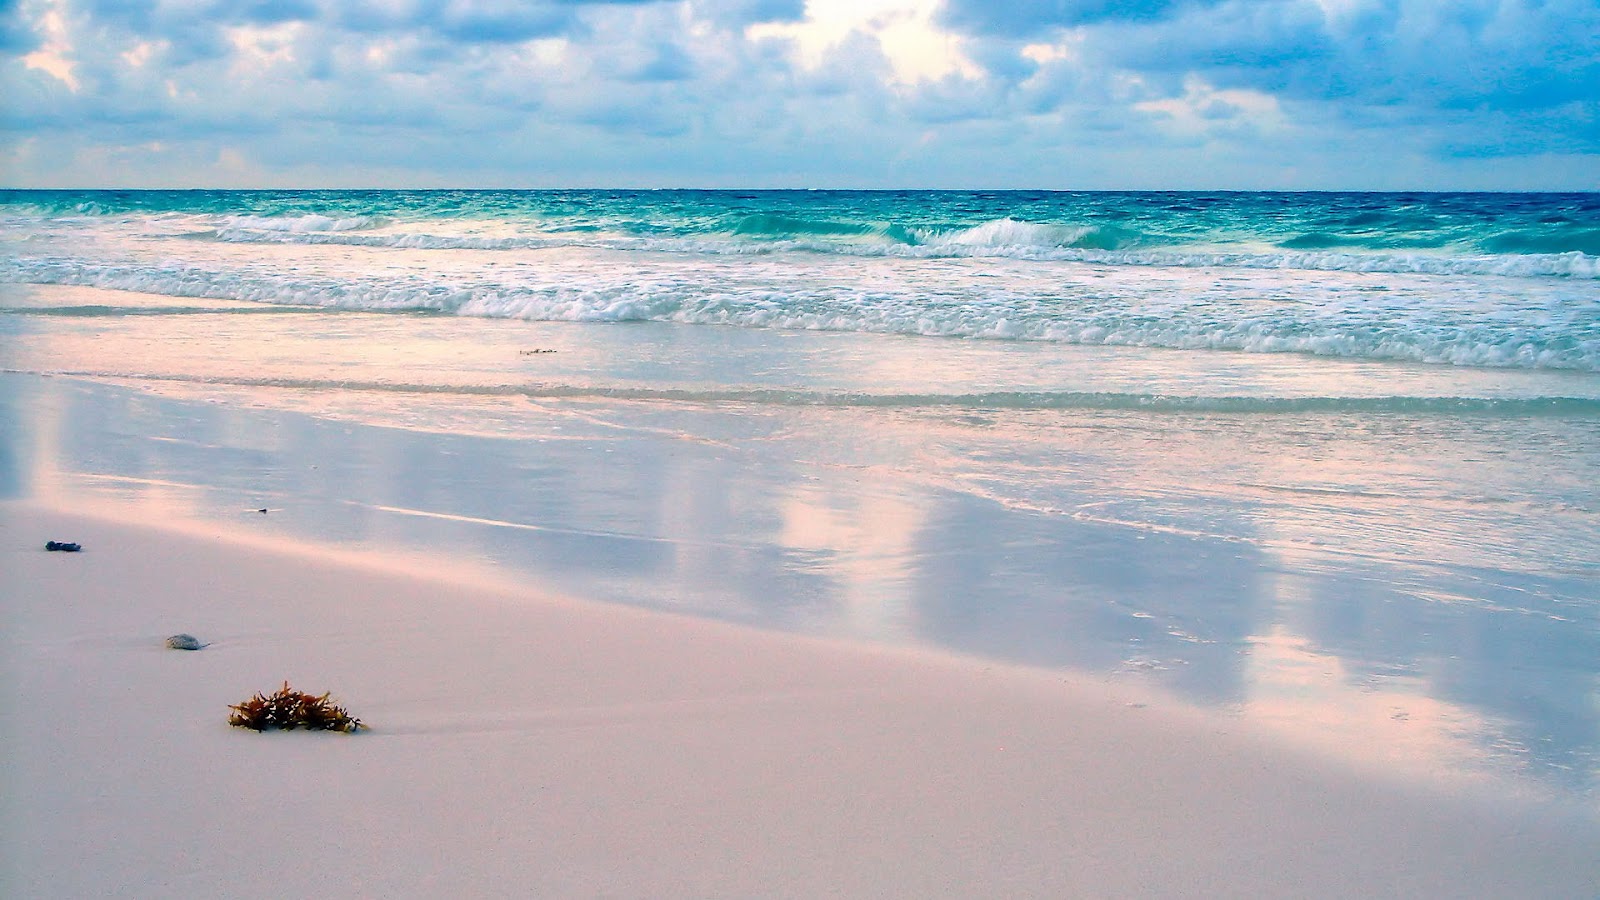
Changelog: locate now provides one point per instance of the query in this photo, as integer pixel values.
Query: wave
(1585, 241)
(1325, 240)
(997, 400)
(1009, 234)
(1528, 236)
(997, 233)
(774, 225)
(1513, 243)
(410, 240)
(1487, 223)
(301, 224)
(1001, 239)
(1550, 338)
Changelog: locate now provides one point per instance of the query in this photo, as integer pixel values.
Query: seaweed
(289, 709)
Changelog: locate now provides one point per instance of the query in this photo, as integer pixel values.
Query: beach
(792, 543)
(534, 744)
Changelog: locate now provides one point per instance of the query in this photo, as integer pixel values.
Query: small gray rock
(184, 642)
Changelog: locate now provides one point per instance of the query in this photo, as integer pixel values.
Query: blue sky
(1250, 94)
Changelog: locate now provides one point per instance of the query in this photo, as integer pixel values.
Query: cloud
(1445, 73)
(667, 62)
(1297, 93)
(496, 23)
(1024, 18)
(738, 14)
(17, 35)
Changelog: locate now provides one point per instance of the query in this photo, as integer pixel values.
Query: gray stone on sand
(184, 642)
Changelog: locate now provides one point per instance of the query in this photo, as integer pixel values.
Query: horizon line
(863, 190)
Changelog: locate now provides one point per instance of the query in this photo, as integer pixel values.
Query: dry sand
(527, 745)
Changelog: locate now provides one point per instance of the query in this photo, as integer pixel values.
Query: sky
(1035, 94)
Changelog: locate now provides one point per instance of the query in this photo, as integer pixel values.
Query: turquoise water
(1330, 462)
(1505, 280)
(1528, 227)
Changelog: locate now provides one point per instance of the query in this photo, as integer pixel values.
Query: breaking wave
(1515, 235)
(305, 224)
(1001, 239)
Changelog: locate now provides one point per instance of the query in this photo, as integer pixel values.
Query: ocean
(1329, 462)
(1421, 278)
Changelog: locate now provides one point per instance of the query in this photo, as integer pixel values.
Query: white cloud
(54, 57)
(140, 54)
(257, 48)
(916, 47)
(1205, 111)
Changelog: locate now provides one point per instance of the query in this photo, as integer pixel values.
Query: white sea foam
(240, 227)
(415, 240)
(1561, 334)
(1001, 233)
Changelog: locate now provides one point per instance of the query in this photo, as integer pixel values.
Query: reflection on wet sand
(918, 530)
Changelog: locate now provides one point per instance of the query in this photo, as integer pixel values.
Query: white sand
(534, 746)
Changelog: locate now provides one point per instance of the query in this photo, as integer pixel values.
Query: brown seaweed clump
(289, 709)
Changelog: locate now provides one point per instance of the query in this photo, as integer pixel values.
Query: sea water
(1330, 462)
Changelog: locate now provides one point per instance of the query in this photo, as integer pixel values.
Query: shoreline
(534, 743)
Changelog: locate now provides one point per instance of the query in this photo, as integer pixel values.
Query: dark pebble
(63, 546)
